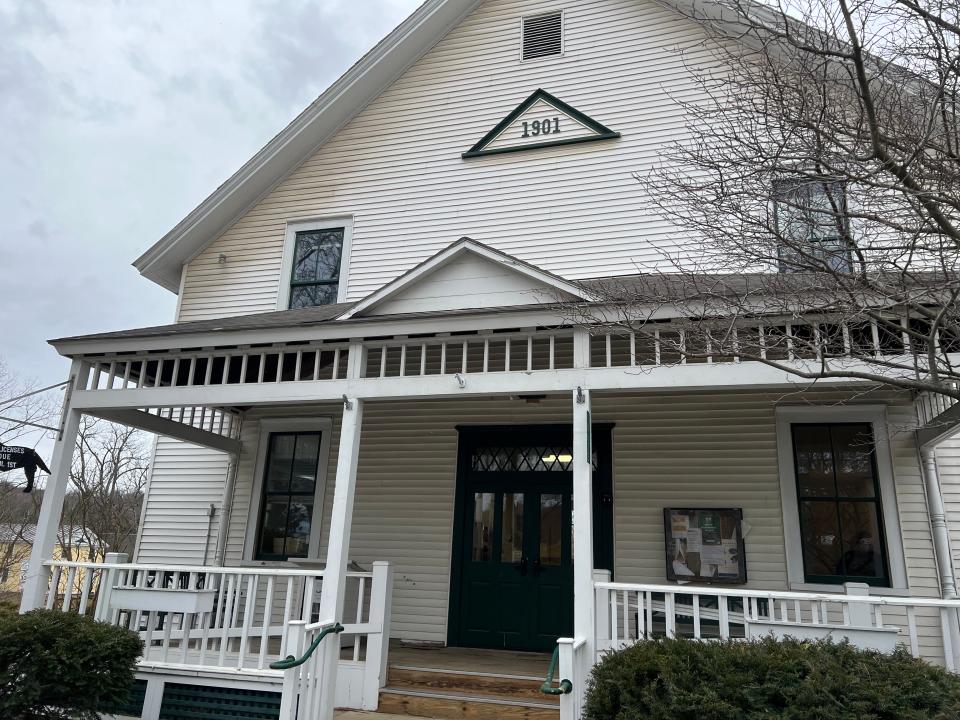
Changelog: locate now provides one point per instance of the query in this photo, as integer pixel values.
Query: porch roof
(621, 288)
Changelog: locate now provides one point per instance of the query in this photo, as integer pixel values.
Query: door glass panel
(551, 525)
(482, 527)
(511, 534)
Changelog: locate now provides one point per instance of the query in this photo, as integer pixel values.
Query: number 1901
(541, 127)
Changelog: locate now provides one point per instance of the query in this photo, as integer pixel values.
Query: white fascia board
(361, 84)
(459, 248)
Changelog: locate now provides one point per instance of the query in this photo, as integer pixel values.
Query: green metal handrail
(292, 662)
(565, 686)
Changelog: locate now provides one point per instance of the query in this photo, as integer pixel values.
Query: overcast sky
(118, 118)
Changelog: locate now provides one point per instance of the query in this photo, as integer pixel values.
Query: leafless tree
(816, 194)
(107, 482)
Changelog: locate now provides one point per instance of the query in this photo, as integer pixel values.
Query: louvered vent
(542, 35)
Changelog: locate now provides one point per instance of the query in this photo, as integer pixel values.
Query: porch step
(457, 695)
(454, 706)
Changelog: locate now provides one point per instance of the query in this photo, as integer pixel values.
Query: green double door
(517, 568)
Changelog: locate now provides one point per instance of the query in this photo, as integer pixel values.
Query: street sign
(14, 458)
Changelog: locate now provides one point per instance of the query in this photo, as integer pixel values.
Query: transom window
(811, 216)
(315, 278)
(841, 525)
(539, 458)
(289, 487)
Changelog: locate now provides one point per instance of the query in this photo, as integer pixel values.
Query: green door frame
(471, 437)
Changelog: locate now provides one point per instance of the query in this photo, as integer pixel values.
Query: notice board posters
(705, 545)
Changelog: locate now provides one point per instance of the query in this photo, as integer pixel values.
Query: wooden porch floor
(504, 663)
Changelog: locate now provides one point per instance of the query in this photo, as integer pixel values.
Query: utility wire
(32, 392)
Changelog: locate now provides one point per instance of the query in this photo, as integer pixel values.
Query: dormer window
(314, 264)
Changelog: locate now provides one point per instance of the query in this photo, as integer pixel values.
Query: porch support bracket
(169, 428)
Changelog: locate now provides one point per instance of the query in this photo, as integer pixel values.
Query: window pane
(853, 451)
(551, 526)
(307, 452)
(281, 456)
(511, 534)
(482, 550)
(814, 460)
(863, 547)
(305, 259)
(317, 255)
(273, 532)
(822, 544)
(311, 295)
(298, 526)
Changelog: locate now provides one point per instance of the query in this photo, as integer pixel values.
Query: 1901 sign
(550, 126)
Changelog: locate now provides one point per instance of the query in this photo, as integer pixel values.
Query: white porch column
(938, 523)
(38, 576)
(338, 548)
(583, 592)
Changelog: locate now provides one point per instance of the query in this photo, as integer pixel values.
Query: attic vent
(543, 35)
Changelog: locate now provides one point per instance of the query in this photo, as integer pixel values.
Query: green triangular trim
(603, 132)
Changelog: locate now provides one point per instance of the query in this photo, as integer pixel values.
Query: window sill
(838, 589)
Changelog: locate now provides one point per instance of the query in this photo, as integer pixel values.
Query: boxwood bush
(55, 665)
(792, 680)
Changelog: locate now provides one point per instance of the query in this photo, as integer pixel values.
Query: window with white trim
(315, 275)
(841, 518)
(287, 495)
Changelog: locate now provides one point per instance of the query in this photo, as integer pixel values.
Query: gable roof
(363, 82)
(464, 247)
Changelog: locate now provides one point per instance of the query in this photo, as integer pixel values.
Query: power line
(3, 403)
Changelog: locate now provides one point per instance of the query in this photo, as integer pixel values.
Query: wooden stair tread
(509, 687)
(462, 706)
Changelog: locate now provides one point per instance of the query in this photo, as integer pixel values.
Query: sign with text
(541, 120)
(15, 458)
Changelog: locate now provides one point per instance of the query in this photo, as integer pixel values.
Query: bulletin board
(705, 545)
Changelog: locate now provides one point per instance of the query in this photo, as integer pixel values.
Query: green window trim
(837, 499)
(274, 497)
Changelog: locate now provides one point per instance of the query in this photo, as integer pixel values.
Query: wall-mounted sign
(540, 121)
(705, 545)
(14, 458)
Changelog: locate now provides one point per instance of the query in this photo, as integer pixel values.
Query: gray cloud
(117, 118)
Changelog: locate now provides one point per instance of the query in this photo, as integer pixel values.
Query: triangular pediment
(467, 275)
(540, 121)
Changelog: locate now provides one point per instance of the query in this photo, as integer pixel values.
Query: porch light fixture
(347, 405)
(581, 399)
(460, 381)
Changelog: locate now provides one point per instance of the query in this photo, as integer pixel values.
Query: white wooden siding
(669, 450)
(466, 283)
(396, 168)
(185, 480)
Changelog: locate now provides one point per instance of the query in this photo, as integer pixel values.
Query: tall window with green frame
(841, 523)
(316, 267)
(289, 487)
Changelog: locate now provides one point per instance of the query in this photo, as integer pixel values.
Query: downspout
(226, 503)
(938, 522)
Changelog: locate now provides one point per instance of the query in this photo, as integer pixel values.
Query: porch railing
(928, 627)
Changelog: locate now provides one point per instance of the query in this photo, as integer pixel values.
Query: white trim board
(323, 425)
(876, 415)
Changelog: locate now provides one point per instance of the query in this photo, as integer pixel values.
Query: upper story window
(811, 217)
(315, 276)
(542, 35)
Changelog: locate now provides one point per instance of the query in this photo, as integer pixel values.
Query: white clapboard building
(375, 412)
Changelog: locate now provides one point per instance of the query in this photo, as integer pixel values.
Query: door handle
(521, 567)
(537, 567)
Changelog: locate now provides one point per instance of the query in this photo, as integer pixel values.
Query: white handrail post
(108, 578)
(602, 609)
(375, 664)
(861, 614)
(566, 669)
(38, 576)
(338, 549)
(291, 677)
(584, 623)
